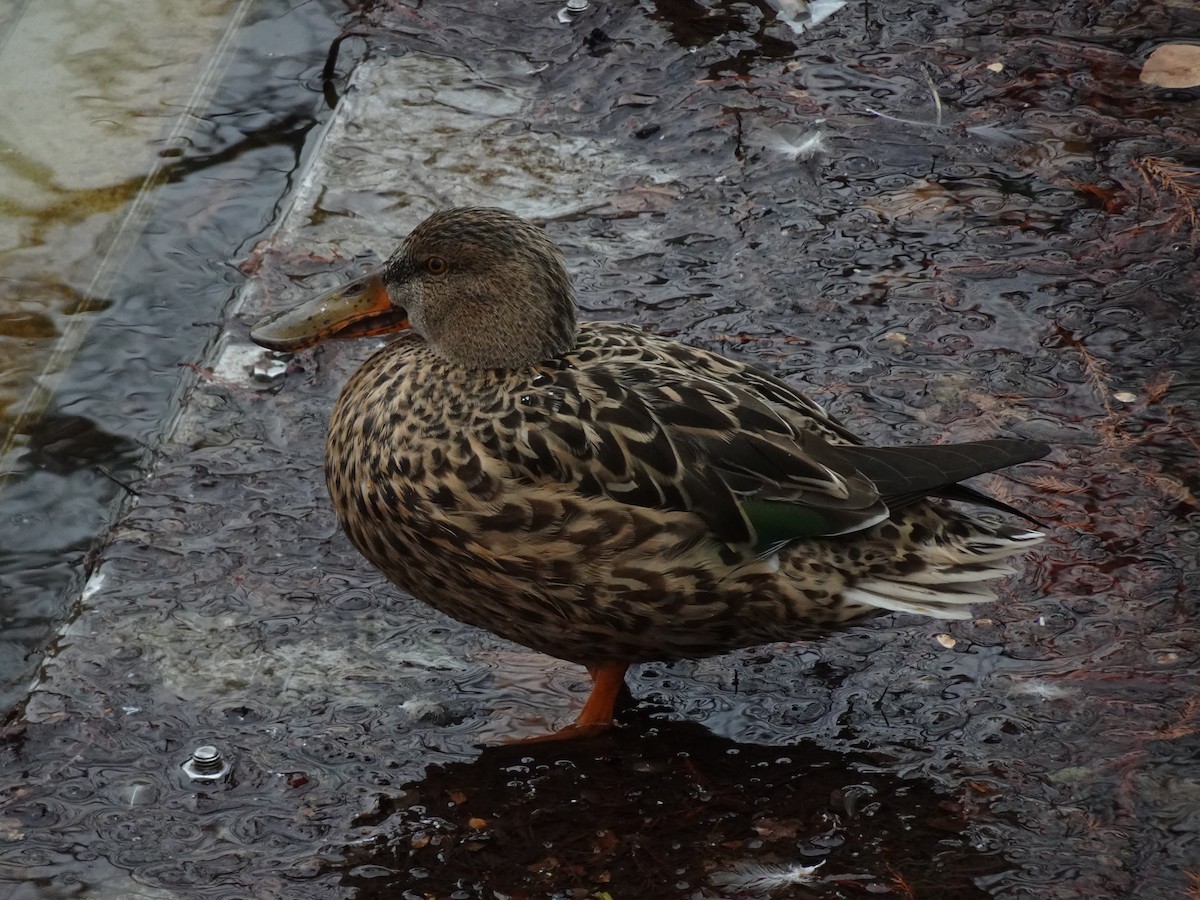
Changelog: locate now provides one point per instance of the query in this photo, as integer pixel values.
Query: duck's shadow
(667, 809)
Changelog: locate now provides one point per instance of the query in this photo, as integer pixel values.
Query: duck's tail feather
(952, 579)
(906, 474)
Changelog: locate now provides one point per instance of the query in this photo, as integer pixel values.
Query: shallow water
(143, 157)
(976, 251)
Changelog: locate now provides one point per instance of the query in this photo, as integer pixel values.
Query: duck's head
(483, 287)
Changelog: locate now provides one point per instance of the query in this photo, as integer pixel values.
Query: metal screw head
(269, 368)
(206, 764)
(572, 9)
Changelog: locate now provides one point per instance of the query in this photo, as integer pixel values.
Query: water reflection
(62, 444)
(667, 809)
(141, 149)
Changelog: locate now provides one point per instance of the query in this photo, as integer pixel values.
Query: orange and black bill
(357, 309)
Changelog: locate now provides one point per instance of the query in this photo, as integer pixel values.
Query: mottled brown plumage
(609, 496)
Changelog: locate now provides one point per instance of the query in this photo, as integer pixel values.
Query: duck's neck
(508, 334)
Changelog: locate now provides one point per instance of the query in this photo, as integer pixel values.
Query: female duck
(608, 496)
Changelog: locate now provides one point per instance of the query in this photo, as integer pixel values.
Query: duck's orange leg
(607, 684)
(596, 717)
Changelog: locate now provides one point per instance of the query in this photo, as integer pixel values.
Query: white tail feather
(958, 574)
(952, 581)
(881, 595)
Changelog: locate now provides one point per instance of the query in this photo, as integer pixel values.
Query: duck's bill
(358, 309)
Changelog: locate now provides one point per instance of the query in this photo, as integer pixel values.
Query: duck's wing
(901, 474)
(662, 426)
(664, 439)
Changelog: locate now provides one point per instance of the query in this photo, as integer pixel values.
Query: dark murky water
(999, 236)
(665, 809)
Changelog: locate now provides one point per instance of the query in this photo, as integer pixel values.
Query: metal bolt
(269, 368)
(206, 764)
(572, 9)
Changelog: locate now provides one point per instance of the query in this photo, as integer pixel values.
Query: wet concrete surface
(996, 234)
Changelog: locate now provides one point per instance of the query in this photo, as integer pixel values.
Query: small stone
(1173, 66)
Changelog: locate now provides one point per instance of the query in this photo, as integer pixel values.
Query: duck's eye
(436, 265)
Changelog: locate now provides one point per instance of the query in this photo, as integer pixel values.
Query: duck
(609, 496)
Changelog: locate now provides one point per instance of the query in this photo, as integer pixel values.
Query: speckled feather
(594, 505)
